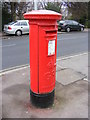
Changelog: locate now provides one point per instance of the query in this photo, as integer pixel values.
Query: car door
(24, 27)
(16, 26)
(70, 24)
(75, 25)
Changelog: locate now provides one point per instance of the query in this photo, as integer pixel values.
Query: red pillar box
(42, 46)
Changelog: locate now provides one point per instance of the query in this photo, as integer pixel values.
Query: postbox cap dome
(42, 14)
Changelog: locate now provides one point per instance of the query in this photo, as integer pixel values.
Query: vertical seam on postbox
(38, 59)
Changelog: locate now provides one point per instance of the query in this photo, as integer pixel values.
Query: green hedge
(87, 24)
(6, 17)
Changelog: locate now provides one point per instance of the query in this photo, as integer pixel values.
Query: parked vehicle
(70, 25)
(17, 27)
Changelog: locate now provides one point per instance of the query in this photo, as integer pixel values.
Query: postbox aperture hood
(42, 14)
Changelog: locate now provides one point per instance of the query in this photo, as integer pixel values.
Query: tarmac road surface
(15, 50)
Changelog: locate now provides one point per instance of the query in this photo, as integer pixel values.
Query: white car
(17, 27)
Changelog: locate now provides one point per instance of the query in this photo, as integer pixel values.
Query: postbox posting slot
(51, 32)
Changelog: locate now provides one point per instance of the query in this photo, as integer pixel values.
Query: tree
(13, 6)
(6, 16)
(78, 10)
(12, 11)
(55, 6)
(15, 9)
(21, 8)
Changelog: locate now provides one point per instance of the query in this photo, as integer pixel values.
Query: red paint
(43, 28)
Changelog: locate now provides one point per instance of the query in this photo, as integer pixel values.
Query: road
(15, 50)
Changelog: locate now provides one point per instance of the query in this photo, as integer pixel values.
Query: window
(75, 23)
(69, 22)
(23, 23)
(61, 22)
(11, 23)
(17, 24)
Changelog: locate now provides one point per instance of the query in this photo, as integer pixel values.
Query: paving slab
(68, 76)
(71, 101)
(78, 63)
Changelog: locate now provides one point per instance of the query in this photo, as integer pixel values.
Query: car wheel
(81, 29)
(18, 32)
(68, 29)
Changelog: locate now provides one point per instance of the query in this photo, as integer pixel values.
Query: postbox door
(47, 59)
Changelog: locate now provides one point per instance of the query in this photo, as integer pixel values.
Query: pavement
(71, 91)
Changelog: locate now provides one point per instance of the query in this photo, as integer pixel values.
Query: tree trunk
(13, 10)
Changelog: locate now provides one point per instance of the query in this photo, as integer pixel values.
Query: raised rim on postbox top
(42, 14)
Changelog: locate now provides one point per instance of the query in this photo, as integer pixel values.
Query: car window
(69, 22)
(75, 23)
(62, 21)
(23, 23)
(11, 23)
(17, 24)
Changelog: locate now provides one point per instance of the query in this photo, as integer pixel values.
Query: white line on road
(12, 69)
(11, 45)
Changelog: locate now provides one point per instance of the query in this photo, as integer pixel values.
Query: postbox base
(42, 100)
